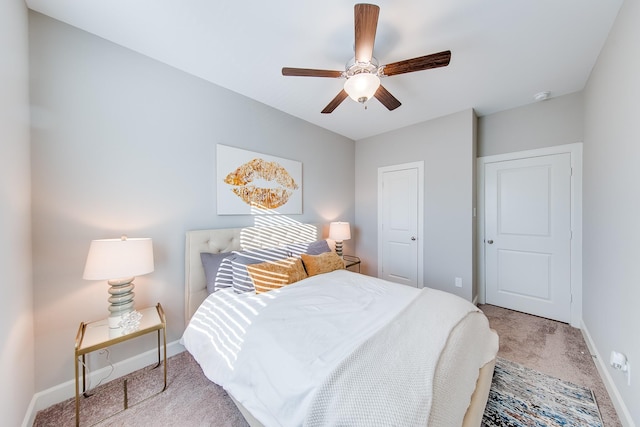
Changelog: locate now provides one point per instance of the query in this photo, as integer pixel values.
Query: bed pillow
(267, 276)
(313, 248)
(218, 276)
(240, 260)
(323, 263)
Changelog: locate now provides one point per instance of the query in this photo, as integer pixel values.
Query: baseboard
(614, 394)
(44, 399)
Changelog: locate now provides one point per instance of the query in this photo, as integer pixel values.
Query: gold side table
(97, 335)
(351, 261)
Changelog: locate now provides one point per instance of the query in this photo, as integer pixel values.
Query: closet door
(528, 235)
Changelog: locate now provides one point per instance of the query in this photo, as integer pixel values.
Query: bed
(337, 348)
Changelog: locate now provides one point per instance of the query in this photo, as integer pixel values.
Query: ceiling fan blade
(309, 72)
(386, 99)
(435, 60)
(335, 102)
(366, 21)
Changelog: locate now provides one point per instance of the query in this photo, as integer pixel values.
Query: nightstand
(351, 261)
(97, 335)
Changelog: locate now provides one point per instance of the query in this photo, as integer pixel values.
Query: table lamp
(339, 231)
(118, 261)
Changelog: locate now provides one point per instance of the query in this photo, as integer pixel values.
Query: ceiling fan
(363, 72)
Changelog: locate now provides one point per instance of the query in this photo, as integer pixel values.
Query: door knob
(490, 242)
(413, 238)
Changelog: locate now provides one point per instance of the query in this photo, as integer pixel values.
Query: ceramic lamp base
(121, 299)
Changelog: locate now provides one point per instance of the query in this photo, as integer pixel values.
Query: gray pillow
(239, 260)
(313, 248)
(217, 272)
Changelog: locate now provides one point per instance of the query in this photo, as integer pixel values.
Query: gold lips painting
(254, 183)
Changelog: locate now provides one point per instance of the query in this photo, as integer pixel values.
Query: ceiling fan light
(361, 87)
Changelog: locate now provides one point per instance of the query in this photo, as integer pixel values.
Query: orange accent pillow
(323, 263)
(271, 275)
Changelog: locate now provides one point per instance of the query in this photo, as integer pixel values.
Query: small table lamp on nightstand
(119, 261)
(339, 231)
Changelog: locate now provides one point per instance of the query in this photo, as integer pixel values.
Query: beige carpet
(191, 399)
(551, 347)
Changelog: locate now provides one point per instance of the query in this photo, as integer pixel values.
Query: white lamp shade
(361, 87)
(118, 258)
(339, 231)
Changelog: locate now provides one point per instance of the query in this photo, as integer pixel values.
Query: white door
(528, 235)
(399, 230)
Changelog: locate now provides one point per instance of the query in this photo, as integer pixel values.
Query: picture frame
(251, 183)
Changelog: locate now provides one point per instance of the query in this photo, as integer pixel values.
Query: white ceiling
(502, 51)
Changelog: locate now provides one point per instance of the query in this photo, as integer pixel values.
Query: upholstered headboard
(234, 239)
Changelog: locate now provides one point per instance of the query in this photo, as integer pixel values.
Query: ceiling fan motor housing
(352, 68)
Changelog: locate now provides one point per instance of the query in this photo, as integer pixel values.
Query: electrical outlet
(619, 361)
(458, 282)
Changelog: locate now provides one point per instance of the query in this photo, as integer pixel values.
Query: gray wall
(556, 121)
(124, 144)
(447, 147)
(16, 304)
(611, 271)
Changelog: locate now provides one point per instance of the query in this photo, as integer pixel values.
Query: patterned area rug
(521, 396)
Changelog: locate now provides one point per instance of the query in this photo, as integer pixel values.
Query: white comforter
(272, 352)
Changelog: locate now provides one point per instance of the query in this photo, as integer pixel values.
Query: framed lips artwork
(254, 183)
